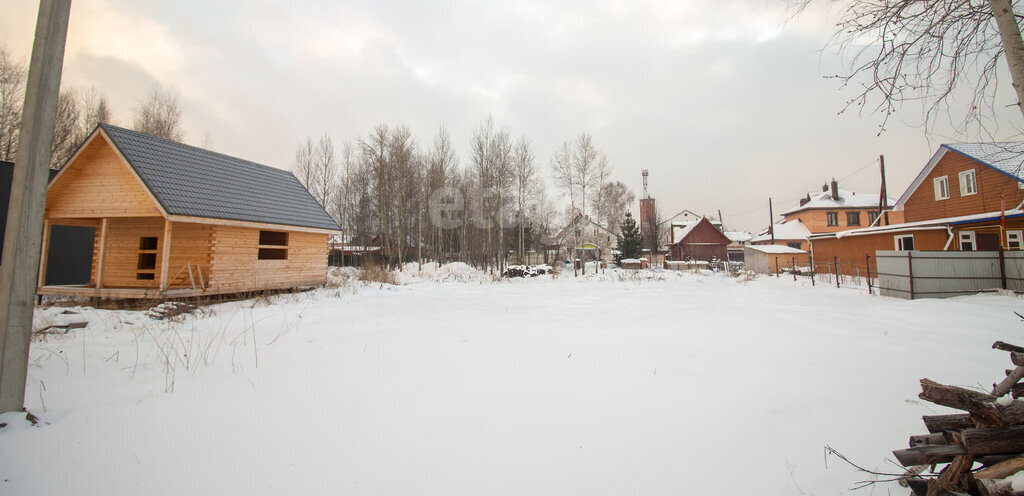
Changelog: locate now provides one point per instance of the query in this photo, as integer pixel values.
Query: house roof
(692, 227)
(560, 236)
(793, 230)
(738, 236)
(847, 199)
(774, 249)
(195, 182)
(924, 224)
(1005, 157)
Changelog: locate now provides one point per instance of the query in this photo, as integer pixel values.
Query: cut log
(1001, 470)
(1007, 384)
(1017, 390)
(939, 423)
(1017, 359)
(929, 455)
(1000, 345)
(1001, 441)
(950, 478)
(994, 487)
(983, 408)
(929, 439)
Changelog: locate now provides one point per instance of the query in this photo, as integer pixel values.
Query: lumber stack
(982, 448)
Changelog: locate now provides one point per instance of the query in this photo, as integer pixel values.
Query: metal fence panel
(942, 274)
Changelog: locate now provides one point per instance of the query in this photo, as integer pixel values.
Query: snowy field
(452, 384)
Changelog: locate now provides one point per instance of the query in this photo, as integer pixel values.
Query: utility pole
(883, 199)
(19, 270)
(771, 221)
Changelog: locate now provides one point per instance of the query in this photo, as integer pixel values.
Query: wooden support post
(102, 254)
(794, 269)
(41, 281)
(835, 261)
(165, 258)
(1002, 267)
(867, 263)
(776, 267)
(19, 270)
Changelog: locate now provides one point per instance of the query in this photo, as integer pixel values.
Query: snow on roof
(775, 249)
(1006, 157)
(793, 229)
(847, 199)
(738, 236)
(936, 223)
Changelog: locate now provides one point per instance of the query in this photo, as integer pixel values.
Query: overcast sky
(723, 101)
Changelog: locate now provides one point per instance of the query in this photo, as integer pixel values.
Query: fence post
(812, 272)
(794, 269)
(867, 263)
(835, 261)
(910, 272)
(1002, 267)
(776, 267)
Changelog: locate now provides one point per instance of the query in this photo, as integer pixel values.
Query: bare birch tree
(936, 52)
(160, 115)
(324, 170)
(527, 187)
(303, 167)
(564, 172)
(66, 132)
(13, 74)
(614, 202)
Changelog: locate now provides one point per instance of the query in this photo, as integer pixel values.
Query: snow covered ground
(651, 382)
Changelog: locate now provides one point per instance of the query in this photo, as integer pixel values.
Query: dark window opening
(273, 254)
(147, 243)
(275, 238)
(833, 218)
(853, 218)
(147, 261)
(145, 276)
(793, 244)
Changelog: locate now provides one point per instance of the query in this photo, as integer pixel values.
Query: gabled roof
(790, 230)
(693, 227)
(847, 199)
(560, 236)
(1004, 157)
(194, 182)
(775, 249)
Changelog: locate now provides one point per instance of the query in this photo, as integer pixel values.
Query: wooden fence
(943, 274)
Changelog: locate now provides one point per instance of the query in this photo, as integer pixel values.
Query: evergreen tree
(629, 239)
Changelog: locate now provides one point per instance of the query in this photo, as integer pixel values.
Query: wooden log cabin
(173, 220)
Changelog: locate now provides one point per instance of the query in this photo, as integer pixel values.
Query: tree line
(418, 201)
(79, 111)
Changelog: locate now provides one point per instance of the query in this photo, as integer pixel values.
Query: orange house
(834, 209)
(173, 220)
(967, 197)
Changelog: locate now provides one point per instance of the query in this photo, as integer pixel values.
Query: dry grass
(377, 273)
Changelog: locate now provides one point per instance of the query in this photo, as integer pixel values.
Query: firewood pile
(982, 449)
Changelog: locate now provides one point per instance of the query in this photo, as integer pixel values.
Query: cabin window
(941, 188)
(833, 218)
(793, 244)
(1015, 240)
(853, 218)
(146, 264)
(967, 241)
(968, 183)
(273, 245)
(872, 217)
(905, 242)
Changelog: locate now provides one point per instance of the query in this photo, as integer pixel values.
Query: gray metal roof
(1006, 157)
(187, 180)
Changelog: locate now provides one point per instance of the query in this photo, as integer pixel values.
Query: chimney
(805, 200)
(835, 190)
(824, 187)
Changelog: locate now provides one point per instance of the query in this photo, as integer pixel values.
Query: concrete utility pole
(19, 270)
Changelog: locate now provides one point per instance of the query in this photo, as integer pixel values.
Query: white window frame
(1015, 236)
(941, 188)
(968, 183)
(898, 240)
(968, 237)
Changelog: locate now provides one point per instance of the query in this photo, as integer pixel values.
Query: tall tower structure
(648, 214)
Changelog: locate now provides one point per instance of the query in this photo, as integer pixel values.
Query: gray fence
(943, 274)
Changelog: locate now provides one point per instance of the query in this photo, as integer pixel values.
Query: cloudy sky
(724, 101)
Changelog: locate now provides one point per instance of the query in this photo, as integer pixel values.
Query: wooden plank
(950, 478)
(165, 258)
(939, 423)
(45, 251)
(929, 455)
(251, 225)
(981, 405)
(999, 441)
(1002, 469)
(102, 254)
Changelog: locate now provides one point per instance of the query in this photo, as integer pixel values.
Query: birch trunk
(1013, 46)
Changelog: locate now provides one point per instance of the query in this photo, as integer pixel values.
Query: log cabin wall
(991, 184)
(190, 245)
(235, 266)
(121, 266)
(98, 184)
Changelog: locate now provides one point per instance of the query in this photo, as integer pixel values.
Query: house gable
(97, 182)
(703, 232)
(995, 189)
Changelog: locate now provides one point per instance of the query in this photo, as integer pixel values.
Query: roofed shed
(701, 241)
(176, 220)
